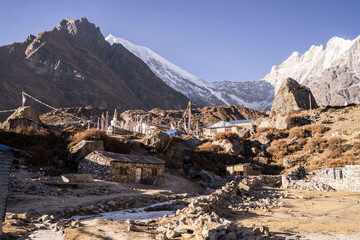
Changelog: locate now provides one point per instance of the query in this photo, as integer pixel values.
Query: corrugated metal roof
(6, 157)
(242, 121)
(6, 148)
(130, 158)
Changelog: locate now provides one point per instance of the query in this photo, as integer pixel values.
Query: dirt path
(313, 214)
(45, 204)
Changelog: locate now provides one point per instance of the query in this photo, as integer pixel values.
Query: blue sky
(215, 40)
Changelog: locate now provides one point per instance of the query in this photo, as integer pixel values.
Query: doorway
(138, 174)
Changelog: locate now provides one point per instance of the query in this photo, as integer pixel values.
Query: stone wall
(345, 179)
(101, 168)
(341, 179)
(117, 175)
(95, 165)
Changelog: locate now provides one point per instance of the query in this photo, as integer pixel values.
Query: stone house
(232, 126)
(242, 170)
(122, 167)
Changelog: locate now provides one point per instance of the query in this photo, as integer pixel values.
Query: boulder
(243, 133)
(24, 117)
(158, 140)
(232, 147)
(292, 96)
(85, 147)
(266, 122)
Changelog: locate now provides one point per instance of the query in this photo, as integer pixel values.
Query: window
(154, 172)
(228, 129)
(123, 170)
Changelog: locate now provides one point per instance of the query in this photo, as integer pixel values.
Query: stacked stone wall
(341, 179)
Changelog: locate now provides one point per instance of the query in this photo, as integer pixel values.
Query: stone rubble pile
(297, 179)
(200, 221)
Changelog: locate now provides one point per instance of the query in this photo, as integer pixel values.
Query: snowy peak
(198, 90)
(331, 72)
(311, 63)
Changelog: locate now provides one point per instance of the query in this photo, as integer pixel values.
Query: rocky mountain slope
(204, 116)
(73, 65)
(332, 73)
(252, 94)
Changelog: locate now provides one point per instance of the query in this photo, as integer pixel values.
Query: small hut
(122, 167)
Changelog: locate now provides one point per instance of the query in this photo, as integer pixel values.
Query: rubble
(297, 179)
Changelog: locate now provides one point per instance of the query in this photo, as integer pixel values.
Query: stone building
(121, 167)
(232, 126)
(243, 169)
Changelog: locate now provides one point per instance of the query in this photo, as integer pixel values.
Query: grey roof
(118, 157)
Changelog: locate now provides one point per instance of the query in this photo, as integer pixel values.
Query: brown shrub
(336, 145)
(41, 145)
(299, 132)
(278, 148)
(316, 144)
(273, 133)
(110, 144)
(227, 135)
(316, 128)
(341, 162)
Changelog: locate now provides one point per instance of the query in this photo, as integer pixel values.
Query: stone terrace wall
(341, 179)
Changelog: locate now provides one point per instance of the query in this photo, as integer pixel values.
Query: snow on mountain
(332, 73)
(244, 94)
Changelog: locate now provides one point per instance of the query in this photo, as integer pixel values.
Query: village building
(232, 126)
(243, 170)
(122, 167)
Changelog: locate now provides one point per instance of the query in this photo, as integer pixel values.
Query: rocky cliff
(293, 96)
(73, 65)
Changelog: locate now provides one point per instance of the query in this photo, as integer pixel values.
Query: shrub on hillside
(299, 132)
(41, 144)
(316, 128)
(274, 133)
(226, 135)
(278, 148)
(110, 144)
(316, 144)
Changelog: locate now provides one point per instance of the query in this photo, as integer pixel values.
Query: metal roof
(118, 157)
(242, 121)
(6, 148)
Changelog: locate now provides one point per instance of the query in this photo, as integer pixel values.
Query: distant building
(243, 170)
(121, 167)
(232, 126)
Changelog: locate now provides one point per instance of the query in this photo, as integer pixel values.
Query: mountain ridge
(73, 65)
(315, 69)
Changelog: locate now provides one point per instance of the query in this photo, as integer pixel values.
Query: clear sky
(215, 40)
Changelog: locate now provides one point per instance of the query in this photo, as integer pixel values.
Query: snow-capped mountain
(205, 93)
(331, 72)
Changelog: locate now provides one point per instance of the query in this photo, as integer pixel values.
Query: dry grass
(41, 145)
(274, 133)
(226, 135)
(315, 145)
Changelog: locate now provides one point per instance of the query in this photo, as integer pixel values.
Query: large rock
(23, 116)
(232, 147)
(158, 140)
(292, 96)
(85, 147)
